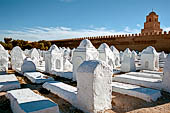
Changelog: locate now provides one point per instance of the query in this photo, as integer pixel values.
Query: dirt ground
(120, 103)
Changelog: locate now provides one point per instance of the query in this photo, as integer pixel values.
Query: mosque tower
(152, 25)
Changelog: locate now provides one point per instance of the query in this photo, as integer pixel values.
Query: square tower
(152, 25)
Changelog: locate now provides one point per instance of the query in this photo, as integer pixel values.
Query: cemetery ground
(120, 103)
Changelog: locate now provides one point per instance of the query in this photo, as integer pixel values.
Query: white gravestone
(121, 56)
(35, 56)
(53, 47)
(28, 66)
(116, 55)
(162, 56)
(134, 55)
(105, 54)
(67, 66)
(17, 57)
(71, 55)
(149, 59)
(26, 52)
(128, 63)
(66, 60)
(53, 60)
(94, 80)
(84, 52)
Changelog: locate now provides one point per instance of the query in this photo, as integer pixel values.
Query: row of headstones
(85, 51)
(95, 78)
(94, 89)
(41, 53)
(37, 56)
(58, 59)
(149, 58)
(64, 58)
(86, 104)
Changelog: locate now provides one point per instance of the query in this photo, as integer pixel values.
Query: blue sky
(59, 19)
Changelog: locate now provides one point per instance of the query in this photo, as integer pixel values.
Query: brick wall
(161, 41)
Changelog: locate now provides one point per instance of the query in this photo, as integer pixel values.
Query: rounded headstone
(28, 66)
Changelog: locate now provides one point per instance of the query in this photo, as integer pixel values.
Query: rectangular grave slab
(146, 75)
(8, 82)
(41, 69)
(141, 81)
(146, 94)
(152, 72)
(116, 71)
(68, 75)
(37, 77)
(65, 91)
(161, 65)
(26, 101)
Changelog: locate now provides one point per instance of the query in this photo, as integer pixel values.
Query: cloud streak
(57, 33)
(166, 29)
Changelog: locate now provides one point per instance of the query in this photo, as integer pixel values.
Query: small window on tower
(149, 19)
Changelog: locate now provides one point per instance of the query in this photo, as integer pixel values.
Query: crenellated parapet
(121, 36)
(160, 40)
(139, 35)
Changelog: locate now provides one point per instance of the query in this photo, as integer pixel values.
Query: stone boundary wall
(161, 41)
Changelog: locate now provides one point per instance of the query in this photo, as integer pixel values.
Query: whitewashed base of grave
(8, 82)
(41, 69)
(145, 75)
(146, 94)
(18, 70)
(116, 71)
(68, 75)
(37, 77)
(152, 72)
(67, 92)
(141, 81)
(26, 101)
(161, 64)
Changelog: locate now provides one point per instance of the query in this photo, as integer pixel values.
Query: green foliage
(9, 43)
(7, 40)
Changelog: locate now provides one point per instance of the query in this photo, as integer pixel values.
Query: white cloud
(57, 33)
(138, 25)
(166, 29)
(128, 30)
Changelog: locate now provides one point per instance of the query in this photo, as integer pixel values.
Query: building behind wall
(152, 25)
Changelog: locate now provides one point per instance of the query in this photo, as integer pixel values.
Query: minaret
(152, 25)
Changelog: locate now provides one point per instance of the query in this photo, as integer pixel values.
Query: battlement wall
(161, 41)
